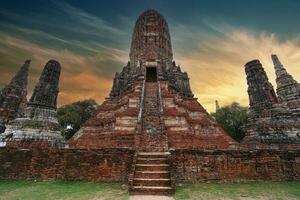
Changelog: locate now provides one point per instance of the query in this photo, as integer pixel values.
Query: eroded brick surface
(189, 165)
(153, 137)
(69, 164)
(272, 123)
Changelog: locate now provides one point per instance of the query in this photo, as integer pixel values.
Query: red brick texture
(196, 165)
(28, 144)
(113, 125)
(68, 164)
(183, 123)
(189, 126)
(116, 164)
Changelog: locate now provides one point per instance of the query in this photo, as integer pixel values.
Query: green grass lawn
(246, 190)
(63, 190)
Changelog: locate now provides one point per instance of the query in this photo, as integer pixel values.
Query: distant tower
(46, 91)
(217, 106)
(13, 96)
(261, 92)
(288, 90)
(268, 121)
(39, 126)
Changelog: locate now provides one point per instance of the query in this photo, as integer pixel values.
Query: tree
(72, 116)
(232, 118)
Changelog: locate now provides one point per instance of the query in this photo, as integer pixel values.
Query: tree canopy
(232, 118)
(72, 116)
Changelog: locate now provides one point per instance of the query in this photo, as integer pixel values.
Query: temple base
(41, 130)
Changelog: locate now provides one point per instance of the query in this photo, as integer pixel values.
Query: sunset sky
(212, 40)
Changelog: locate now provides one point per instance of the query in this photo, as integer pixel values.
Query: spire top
(21, 77)
(217, 105)
(275, 59)
(279, 69)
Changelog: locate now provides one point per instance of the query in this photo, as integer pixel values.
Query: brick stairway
(152, 175)
(153, 137)
(151, 168)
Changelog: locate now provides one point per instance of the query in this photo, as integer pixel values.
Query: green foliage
(232, 118)
(74, 115)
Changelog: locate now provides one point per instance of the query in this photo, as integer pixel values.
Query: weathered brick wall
(69, 164)
(193, 165)
(28, 144)
(116, 164)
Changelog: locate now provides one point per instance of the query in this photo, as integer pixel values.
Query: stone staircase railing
(131, 175)
(142, 101)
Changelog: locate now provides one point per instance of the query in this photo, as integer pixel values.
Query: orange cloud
(82, 86)
(82, 77)
(216, 67)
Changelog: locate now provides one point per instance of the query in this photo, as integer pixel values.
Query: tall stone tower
(151, 50)
(39, 126)
(151, 108)
(261, 92)
(288, 89)
(269, 122)
(150, 40)
(13, 97)
(46, 91)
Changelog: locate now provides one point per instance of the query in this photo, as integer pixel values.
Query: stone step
(151, 161)
(152, 167)
(160, 182)
(152, 174)
(152, 190)
(154, 159)
(154, 154)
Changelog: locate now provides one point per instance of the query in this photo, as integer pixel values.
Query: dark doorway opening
(151, 74)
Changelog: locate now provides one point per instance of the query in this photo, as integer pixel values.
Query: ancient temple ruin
(151, 108)
(271, 122)
(151, 132)
(13, 96)
(38, 126)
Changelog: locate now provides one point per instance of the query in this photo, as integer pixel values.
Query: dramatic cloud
(216, 65)
(91, 49)
(71, 36)
(82, 76)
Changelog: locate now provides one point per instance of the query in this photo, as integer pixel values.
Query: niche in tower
(151, 74)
